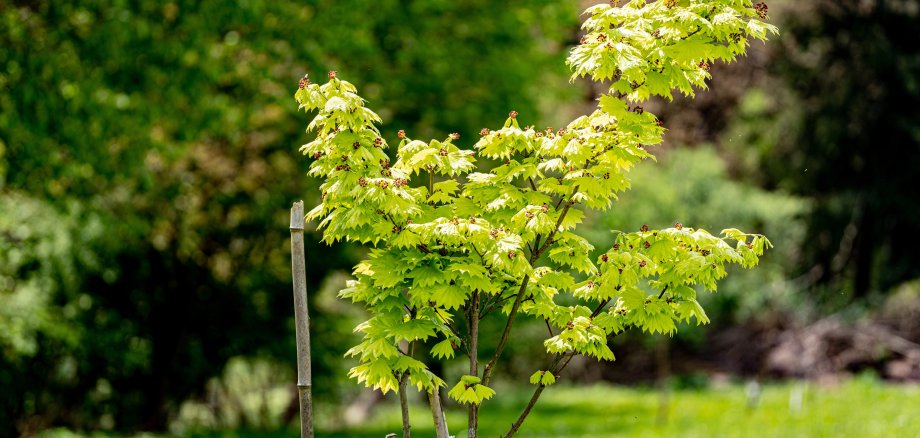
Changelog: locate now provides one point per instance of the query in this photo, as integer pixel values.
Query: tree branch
(560, 364)
(663, 291)
(550, 329)
(487, 372)
(599, 308)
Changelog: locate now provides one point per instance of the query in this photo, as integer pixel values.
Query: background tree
(154, 137)
(838, 126)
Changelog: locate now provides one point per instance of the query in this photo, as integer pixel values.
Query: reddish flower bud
(304, 81)
(679, 226)
(513, 114)
(484, 132)
(401, 133)
(644, 228)
(454, 136)
(332, 74)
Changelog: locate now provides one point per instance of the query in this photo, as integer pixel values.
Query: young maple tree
(461, 245)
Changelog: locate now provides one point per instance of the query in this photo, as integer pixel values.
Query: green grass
(858, 408)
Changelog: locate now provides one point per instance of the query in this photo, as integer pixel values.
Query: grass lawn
(858, 408)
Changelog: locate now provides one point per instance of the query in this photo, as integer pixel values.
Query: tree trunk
(437, 414)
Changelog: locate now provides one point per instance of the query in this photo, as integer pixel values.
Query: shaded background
(148, 158)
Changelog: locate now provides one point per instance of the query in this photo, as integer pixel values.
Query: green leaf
(469, 391)
(443, 349)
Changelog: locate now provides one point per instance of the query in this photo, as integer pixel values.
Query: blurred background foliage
(148, 160)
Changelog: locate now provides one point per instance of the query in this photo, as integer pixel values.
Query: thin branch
(663, 291)
(487, 372)
(494, 305)
(549, 238)
(560, 364)
(550, 329)
(599, 308)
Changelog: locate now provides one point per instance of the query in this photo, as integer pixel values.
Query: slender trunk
(403, 396)
(404, 404)
(473, 417)
(302, 322)
(437, 414)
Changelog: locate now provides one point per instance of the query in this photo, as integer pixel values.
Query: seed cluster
(761, 9)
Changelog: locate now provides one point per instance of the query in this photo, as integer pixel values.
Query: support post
(302, 322)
